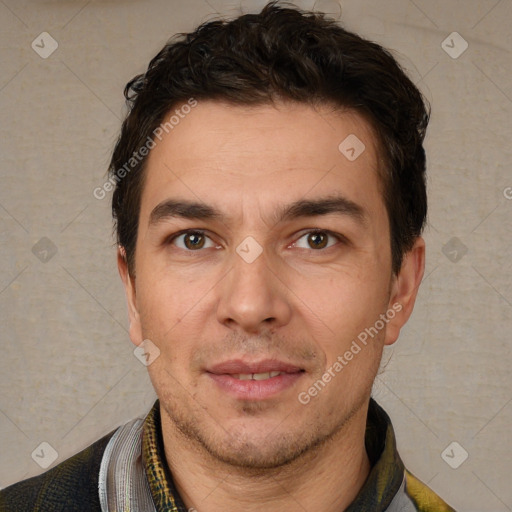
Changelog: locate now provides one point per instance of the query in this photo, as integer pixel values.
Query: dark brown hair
(287, 54)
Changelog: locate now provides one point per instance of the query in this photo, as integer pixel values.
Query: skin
(295, 303)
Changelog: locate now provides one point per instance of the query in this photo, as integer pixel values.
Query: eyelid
(171, 238)
(337, 236)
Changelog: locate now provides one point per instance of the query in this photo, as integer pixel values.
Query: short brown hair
(282, 53)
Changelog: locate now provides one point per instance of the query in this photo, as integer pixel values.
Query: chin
(262, 455)
(254, 445)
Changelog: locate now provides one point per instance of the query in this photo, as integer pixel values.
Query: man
(269, 203)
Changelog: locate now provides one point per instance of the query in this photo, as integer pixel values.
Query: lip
(223, 375)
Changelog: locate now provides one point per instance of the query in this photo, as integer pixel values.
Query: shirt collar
(160, 481)
(379, 489)
(387, 472)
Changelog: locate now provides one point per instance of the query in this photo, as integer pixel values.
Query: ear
(404, 289)
(129, 288)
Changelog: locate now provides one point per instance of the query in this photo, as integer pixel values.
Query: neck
(326, 478)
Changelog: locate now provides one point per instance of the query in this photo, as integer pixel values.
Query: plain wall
(67, 370)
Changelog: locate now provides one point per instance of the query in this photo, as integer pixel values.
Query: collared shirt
(388, 487)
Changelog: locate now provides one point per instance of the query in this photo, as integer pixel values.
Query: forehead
(227, 156)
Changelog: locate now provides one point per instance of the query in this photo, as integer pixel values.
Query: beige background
(67, 370)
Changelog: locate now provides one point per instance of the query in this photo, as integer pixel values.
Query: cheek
(339, 309)
(166, 299)
(345, 296)
(175, 310)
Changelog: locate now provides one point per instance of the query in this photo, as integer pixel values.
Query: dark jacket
(72, 486)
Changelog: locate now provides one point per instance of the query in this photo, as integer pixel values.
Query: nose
(252, 297)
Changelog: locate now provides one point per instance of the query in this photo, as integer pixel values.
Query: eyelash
(201, 232)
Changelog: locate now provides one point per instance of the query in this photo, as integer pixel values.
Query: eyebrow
(170, 208)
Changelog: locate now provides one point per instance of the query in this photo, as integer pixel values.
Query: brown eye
(194, 240)
(317, 240)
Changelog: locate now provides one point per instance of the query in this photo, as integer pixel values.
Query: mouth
(256, 376)
(254, 380)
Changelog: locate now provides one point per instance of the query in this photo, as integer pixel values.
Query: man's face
(251, 306)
